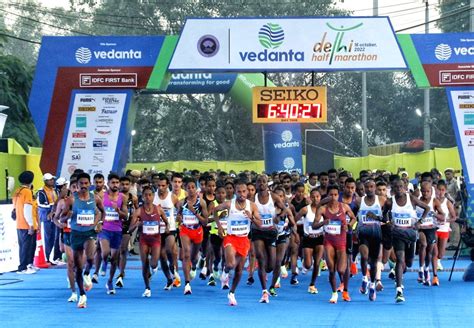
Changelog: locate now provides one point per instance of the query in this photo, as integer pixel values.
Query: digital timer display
(289, 105)
(289, 111)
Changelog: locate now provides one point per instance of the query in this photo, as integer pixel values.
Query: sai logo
(289, 163)
(83, 55)
(271, 36)
(286, 136)
(443, 51)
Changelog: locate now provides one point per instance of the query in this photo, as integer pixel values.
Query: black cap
(26, 177)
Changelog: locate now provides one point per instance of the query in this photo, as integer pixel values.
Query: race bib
(223, 223)
(239, 227)
(402, 220)
(428, 221)
(189, 219)
(333, 228)
(111, 214)
(311, 231)
(162, 227)
(365, 219)
(267, 220)
(348, 218)
(282, 225)
(151, 227)
(85, 218)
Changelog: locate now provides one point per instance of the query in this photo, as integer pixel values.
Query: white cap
(61, 181)
(48, 176)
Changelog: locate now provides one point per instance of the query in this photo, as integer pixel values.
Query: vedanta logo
(443, 51)
(271, 36)
(84, 55)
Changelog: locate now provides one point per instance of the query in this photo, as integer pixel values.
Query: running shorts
(241, 245)
(150, 240)
(216, 240)
(408, 247)
(78, 238)
(430, 235)
(195, 235)
(114, 238)
(442, 234)
(67, 238)
(312, 242)
(386, 236)
(283, 239)
(268, 237)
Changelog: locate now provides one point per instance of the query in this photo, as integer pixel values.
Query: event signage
(109, 80)
(9, 249)
(287, 44)
(93, 132)
(440, 60)
(289, 105)
(282, 148)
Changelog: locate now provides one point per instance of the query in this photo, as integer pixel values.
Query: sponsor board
(109, 80)
(79, 135)
(281, 44)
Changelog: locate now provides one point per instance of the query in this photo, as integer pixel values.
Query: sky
(402, 13)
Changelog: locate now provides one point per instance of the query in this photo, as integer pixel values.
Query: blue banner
(282, 147)
(444, 48)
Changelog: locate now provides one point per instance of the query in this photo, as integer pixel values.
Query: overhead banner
(440, 60)
(289, 105)
(282, 148)
(92, 140)
(287, 44)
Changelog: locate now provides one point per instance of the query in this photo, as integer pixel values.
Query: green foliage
(460, 15)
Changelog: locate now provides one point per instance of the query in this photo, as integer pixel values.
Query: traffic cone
(40, 258)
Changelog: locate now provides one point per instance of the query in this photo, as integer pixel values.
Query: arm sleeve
(28, 213)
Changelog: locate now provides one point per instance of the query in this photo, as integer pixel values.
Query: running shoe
(169, 285)
(323, 266)
(27, 271)
(265, 298)
(345, 296)
(340, 288)
(212, 281)
(304, 270)
(273, 291)
(82, 304)
(250, 281)
(333, 298)
(203, 274)
(119, 282)
(440, 266)
(378, 286)
(363, 287)
(110, 288)
(225, 280)
(399, 298)
(72, 298)
(215, 274)
(87, 282)
(95, 278)
(391, 274)
(146, 293)
(312, 289)
(294, 280)
(277, 284)
(372, 293)
(32, 267)
(177, 280)
(420, 278)
(192, 273)
(187, 289)
(103, 269)
(283, 272)
(354, 270)
(435, 281)
(231, 298)
(153, 270)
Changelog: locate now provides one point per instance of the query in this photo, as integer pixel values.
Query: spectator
(26, 222)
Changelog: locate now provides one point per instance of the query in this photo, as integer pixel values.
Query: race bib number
(333, 228)
(111, 214)
(162, 227)
(267, 220)
(311, 231)
(282, 225)
(151, 227)
(428, 221)
(189, 219)
(239, 227)
(86, 218)
(402, 220)
(365, 219)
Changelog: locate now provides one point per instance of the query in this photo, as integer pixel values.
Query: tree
(454, 16)
(15, 85)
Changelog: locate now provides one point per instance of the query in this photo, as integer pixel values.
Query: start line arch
(83, 91)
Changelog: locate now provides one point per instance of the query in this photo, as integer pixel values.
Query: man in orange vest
(26, 222)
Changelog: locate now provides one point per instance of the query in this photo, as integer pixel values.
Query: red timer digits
(289, 111)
